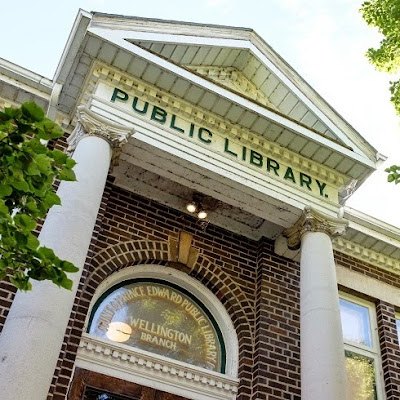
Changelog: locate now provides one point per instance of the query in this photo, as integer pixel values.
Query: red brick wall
(390, 350)
(259, 290)
(135, 230)
(367, 269)
(277, 334)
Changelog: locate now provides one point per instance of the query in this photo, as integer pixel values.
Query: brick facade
(390, 349)
(277, 328)
(135, 230)
(259, 289)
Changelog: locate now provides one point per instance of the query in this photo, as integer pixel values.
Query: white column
(34, 331)
(323, 373)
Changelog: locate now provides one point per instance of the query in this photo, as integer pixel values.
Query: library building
(217, 257)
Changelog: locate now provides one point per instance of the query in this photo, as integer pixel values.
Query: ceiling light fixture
(202, 214)
(191, 207)
(197, 206)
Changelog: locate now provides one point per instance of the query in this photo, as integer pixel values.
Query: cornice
(344, 246)
(367, 255)
(143, 366)
(101, 71)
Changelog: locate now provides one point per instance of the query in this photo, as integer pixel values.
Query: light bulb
(191, 207)
(202, 214)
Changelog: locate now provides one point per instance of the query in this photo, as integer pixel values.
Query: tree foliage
(28, 169)
(385, 15)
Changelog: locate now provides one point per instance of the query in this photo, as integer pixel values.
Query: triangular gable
(241, 71)
(260, 94)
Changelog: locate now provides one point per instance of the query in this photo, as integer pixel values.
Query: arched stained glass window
(160, 317)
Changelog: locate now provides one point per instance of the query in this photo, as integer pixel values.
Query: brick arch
(125, 254)
(130, 253)
(240, 310)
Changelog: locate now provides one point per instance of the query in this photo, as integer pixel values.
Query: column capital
(91, 124)
(312, 220)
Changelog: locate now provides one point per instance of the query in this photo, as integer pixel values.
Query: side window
(398, 326)
(363, 363)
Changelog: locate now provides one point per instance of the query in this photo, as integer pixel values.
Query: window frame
(397, 319)
(373, 352)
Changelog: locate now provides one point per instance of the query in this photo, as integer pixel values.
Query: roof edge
(169, 21)
(26, 76)
(72, 46)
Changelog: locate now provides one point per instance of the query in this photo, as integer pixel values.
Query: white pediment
(268, 81)
(222, 74)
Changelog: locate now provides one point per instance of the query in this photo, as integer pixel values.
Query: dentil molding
(152, 370)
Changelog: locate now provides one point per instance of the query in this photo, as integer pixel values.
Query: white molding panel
(155, 371)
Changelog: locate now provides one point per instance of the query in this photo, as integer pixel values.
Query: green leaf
(47, 129)
(70, 163)
(52, 199)
(20, 185)
(9, 241)
(67, 174)
(47, 253)
(43, 163)
(53, 129)
(27, 172)
(33, 168)
(31, 206)
(12, 113)
(32, 242)
(37, 146)
(60, 158)
(21, 239)
(25, 222)
(32, 111)
(68, 267)
(3, 208)
(21, 283)
(5, 190)
(66, 283)
(3, 135)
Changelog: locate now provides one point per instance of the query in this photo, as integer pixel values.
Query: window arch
(160, 284)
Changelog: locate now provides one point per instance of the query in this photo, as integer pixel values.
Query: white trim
(162, 138)
(75, 39)
(372, 227)
(244, 39)
(366, 285)
(148, 369)
(27, 79)
(121, 41)
(24, 86)
(103, 76)
(203, 294)
(371, 352)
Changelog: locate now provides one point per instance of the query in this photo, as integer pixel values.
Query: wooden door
(89, 385)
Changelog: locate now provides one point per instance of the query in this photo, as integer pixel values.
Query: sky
(323, 40)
